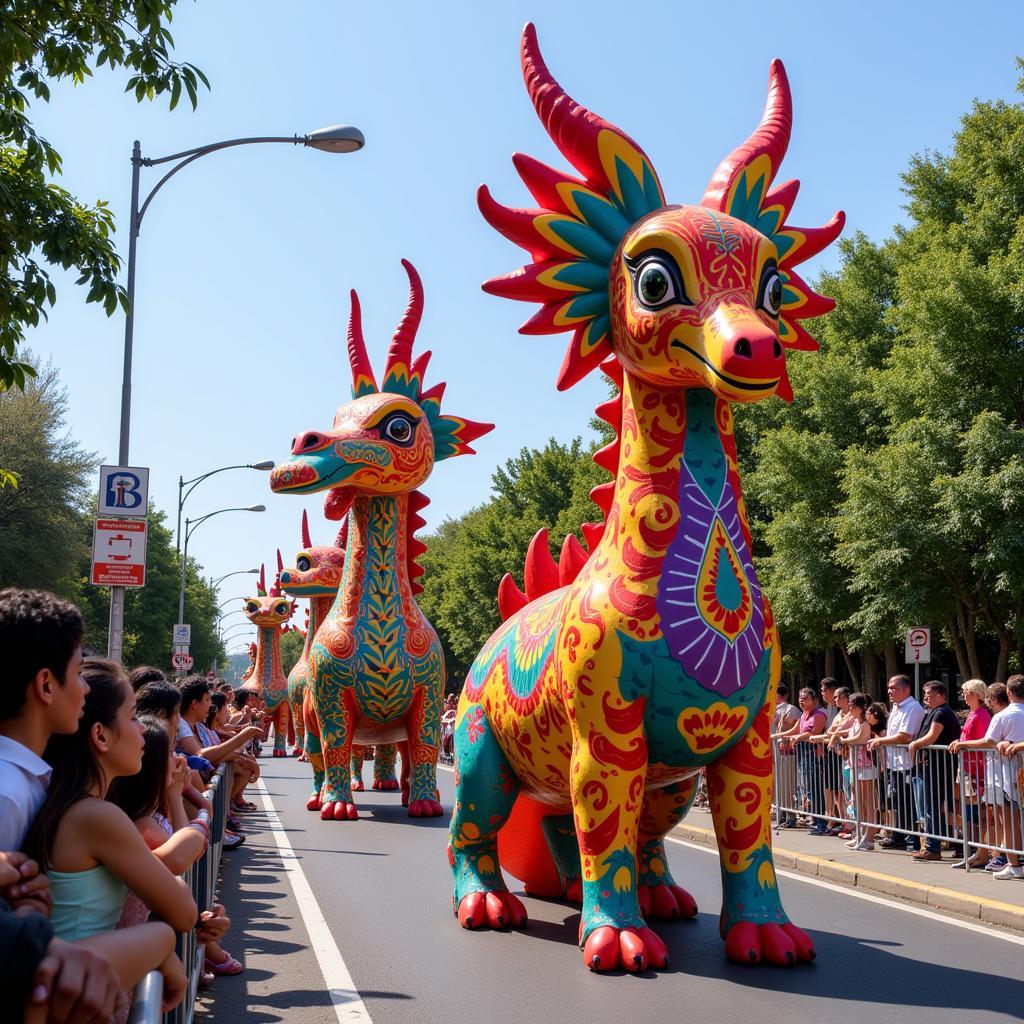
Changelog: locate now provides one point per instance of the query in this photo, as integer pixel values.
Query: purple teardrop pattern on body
(709, 599)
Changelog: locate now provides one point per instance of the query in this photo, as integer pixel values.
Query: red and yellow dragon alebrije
(618, 676)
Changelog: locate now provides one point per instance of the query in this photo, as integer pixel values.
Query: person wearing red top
(980, 823)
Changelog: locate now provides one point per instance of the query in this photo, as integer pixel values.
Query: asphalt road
(383, 886)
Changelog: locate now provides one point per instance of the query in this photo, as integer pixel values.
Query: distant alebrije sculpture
(376, 670)
(269, 611)
(621, 672)
(316, 575)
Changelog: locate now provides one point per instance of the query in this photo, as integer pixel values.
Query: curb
(977, 908)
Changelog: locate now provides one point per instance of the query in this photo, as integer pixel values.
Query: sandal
(229, 965)
(244, 805)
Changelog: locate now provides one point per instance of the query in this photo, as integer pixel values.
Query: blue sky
(246, 258)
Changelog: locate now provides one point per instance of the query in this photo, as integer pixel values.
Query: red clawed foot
(385, 785)
(357, 786)
(781, 945)
(631, 949)
(491, 910)
(296, 752)
(313, 803)
(665, 902)
(338, 811)
(426, 809)
(279, 753)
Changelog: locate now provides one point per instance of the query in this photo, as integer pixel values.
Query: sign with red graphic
(182, 661)
(919, 645)
(119, 553)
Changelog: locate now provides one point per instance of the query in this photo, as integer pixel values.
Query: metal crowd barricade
(202, 881)
(971, 800)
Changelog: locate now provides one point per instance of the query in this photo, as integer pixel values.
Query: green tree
(42, 539)
(292, 643)
(467, 556)
(45, 41)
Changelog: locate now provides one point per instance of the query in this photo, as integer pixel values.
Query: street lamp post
(334, 139)
(266, 465)
(238, 572)
(191, 525)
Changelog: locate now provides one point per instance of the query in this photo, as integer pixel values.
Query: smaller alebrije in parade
(376, 669)
(316, 576)
(625, 670)
(269, 611)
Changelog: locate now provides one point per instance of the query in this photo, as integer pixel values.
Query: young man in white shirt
(1006, 734)
(42, 692)
(904, 724)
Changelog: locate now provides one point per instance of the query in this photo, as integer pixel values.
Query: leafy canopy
(44, 41)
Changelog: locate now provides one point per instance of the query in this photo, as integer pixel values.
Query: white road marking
(859, 894)
(345, 998)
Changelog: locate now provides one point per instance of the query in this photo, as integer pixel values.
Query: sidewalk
(975, 894)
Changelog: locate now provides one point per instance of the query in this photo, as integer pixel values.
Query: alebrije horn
(261, 588)
(280, 562)
(400, 352)
(363, 380)
(307, 541)
(770, 139)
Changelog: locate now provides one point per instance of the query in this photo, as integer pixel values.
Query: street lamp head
(256, 508)
(338, 138)
(251, 572)
(266, 464)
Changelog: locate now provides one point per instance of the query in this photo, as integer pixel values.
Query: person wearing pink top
(971, 779)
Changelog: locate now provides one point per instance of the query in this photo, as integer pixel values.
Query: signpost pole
(917, 681)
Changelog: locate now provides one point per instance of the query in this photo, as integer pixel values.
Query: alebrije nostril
(776, 348)
(743, 348)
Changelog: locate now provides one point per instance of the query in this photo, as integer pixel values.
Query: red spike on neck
(307, 541)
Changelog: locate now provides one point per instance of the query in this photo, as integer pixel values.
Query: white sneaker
(852, 843)
(1010, 872)
(865, 846)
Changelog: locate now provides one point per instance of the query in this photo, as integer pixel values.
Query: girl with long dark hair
(89, 847)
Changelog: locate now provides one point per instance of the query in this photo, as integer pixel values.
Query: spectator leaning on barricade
(42, 696)
(1005, 735)
(865, 782)
(905, 718)
(808, 757)
(934, 770)
(831, 762)
(786, 716)
(979, 824)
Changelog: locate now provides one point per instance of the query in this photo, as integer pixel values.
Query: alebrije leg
(607, 772)
(385, 756)
(485, 790)
(336, 730)
(659, 895)
(423, 733)
(560, 835)
(753, 923)
(314, 751)
(356, 764)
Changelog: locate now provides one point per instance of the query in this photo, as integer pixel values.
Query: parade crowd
(923, 779)
(104, 806)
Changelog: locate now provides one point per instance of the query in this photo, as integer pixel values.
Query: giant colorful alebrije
(617, 676)
(376, 666)
(268, 611)
(251, 667)
(316, 575)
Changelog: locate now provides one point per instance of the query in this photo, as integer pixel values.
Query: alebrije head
(682, 296)
(267, 608)
(387, 438)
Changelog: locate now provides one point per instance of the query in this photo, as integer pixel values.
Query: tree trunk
(892, 661)
(850, 667)
(958, 648)
(965, 617)
(870, 662)
(830, 661)
(1003, 661)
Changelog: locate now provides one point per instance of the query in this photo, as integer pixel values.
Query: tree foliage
(41, 538)
(46, 41)
(292, 643)
(467, 556)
